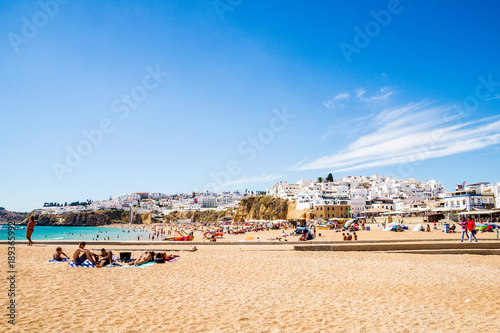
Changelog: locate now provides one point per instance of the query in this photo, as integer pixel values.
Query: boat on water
(16, 227)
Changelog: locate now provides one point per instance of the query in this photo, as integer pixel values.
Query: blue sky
(183, 96)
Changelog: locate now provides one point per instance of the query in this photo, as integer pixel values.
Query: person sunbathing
(428, 228)
(166, 256)
(349, 237)
(345, 237)
(355, 236)
(82, 254)
(105, 258)
(58, 255)
(144, 258)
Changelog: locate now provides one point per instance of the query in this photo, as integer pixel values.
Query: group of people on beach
(106, 257)
(349, 237)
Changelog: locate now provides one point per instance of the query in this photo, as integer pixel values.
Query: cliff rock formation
(269, 208)
(84, 219)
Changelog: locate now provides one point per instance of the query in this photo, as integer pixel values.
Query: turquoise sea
(79, 233)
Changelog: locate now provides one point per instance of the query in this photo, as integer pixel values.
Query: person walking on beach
(471, 225)
(29, 230)
(464, 230)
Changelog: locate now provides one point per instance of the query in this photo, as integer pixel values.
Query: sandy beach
(374, 234)
(238, 288)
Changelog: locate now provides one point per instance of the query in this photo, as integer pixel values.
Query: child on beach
(58, 255)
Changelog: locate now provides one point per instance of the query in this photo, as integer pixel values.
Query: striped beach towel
(53, 260)
(86, 264)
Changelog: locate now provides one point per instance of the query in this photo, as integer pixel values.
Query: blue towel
(141, 266)
(86, 264)
(53, 260)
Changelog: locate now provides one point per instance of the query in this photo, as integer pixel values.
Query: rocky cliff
(269, 208)
(7, 217)
(196, 216)
(87, 219)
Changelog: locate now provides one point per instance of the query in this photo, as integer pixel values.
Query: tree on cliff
(329, 178)
(320, 179)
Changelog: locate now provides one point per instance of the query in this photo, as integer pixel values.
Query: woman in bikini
(30, 229)
(144, 258)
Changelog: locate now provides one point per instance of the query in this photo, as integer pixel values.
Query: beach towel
(53, 260)
(88, 264)
(173, 259)
(141, 266)
(85, 264)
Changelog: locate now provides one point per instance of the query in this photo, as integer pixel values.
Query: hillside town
(154, 202)
(347, 197)
(357, 196)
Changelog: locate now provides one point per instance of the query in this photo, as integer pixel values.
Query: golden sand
(240, 288)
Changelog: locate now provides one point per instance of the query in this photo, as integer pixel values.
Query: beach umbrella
(390, 226)
(480, 226)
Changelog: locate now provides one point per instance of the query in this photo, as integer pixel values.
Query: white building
(496, 191)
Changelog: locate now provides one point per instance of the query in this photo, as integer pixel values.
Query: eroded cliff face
(196, 216)
(269, 208)
(84, 219)
(142, 218)
(11, 217)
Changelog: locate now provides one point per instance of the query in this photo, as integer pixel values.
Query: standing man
(471, 225)
(464, 229)
(30, 229)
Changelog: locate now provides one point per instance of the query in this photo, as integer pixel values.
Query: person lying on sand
(166, 256)
(58, 255)
(81, 254)
(144, 258)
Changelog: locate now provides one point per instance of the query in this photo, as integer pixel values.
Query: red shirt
(471, 225)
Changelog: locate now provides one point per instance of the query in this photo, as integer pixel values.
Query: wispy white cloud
(343, 96)
(360, 92)
(247, 180)
(338, 101)
(417, 131)
(497, 96)
(382, 94)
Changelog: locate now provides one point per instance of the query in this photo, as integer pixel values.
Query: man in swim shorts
(105, 258)
(82, 254)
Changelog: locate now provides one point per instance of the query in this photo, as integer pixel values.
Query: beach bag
(125, 256)
(160, 260)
